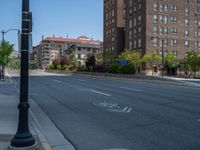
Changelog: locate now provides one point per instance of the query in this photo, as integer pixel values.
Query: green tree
(131, 57)
(5, 51)
(90, 62)
(170, 62)
(14, 62)
(152, 58)
(193, 60)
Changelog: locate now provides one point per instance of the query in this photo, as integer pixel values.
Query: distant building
(149, 22)
(85, 50)
(52, 47)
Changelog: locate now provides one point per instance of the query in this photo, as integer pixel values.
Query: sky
(61, 18)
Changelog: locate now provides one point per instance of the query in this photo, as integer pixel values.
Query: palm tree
(5, 51)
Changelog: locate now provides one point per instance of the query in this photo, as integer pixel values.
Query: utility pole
(23, 138)
(162, 57)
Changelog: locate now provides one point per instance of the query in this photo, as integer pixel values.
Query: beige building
(52, 47)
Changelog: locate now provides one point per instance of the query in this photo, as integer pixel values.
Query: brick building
(148, 22)
(114, 23)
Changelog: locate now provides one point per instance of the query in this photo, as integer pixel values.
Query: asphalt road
(105, 114)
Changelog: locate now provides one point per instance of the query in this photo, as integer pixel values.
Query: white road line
(129, 110)
(56, 81)
(198, 120)
(132, 89)
(81, 80)
(98, 92)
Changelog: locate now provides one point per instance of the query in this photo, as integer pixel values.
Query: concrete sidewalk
(188, 81)
(45, 132)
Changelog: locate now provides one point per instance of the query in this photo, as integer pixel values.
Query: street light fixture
(163, 63)
(23, 138)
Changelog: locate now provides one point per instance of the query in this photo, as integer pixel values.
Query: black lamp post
(23, 137)
(162, 42)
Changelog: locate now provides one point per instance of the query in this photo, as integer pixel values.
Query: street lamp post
(162, 40)
(23, 137)
(163, 62)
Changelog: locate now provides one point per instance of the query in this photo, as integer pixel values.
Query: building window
(186, 32)
(139, 31)
(130, 23)
(186, 22)
(187, 43)
(139, 19)
(130, 45)
(130, 34)
(155, 29)
(155, 18)
(139, 43)
(155, 6)
(134, 44)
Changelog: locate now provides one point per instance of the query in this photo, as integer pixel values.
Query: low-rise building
(84, 50)
(52, 47)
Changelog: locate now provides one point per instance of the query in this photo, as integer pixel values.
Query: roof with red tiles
(70, 40)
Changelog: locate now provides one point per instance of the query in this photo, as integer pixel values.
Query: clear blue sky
(55, 17)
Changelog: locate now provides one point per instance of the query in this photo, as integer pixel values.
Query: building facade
(149, 22)
(114, 23)
(83, 51)
(53, 47)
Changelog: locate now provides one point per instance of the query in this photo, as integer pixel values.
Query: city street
(104, 114)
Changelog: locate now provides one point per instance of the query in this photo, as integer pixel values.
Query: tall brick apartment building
(114, 23)
(148, 22)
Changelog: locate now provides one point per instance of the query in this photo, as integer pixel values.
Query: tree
(152, 59)
(90, 62)
(170, 62)
(5, 51)
(131, 57)
(193, 60)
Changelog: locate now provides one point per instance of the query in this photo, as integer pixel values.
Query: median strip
(98, 92)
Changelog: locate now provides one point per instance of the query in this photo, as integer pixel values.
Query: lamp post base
(33, 147)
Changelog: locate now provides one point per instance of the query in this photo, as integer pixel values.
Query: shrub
(114, 68)
(59, 67)
(64, 67)
(99, 68)
(51, 66)
(127, 69)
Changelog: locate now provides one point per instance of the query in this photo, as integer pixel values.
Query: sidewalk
(188, 82)
(45, 132)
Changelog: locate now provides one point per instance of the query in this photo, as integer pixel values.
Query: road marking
(81, 80)
(98, 92)
(56, 81)
(198, 120)
(115, 149)
(132, 89)
(113, 107)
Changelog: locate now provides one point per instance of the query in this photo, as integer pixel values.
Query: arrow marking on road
(98, 92)
(132, 89)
